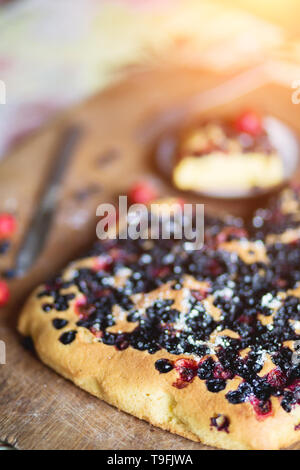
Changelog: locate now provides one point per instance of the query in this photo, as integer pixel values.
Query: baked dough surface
(127, 377)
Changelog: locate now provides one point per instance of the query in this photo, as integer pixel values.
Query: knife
(42, 219)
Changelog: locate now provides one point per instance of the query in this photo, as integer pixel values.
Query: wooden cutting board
(39, 409)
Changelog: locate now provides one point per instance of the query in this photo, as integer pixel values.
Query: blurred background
(56, 52)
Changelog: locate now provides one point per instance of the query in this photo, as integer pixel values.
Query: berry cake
(225, 157)
(201, 343)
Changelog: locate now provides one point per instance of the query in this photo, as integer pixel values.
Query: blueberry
(47, 307)
(68, 337)
(163, 366)
(215, 385)
(206, 368)
(234, 397)
(59, 323)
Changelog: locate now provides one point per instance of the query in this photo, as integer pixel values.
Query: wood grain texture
(39, 409)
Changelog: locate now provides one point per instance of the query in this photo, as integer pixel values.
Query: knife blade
(42, 219)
